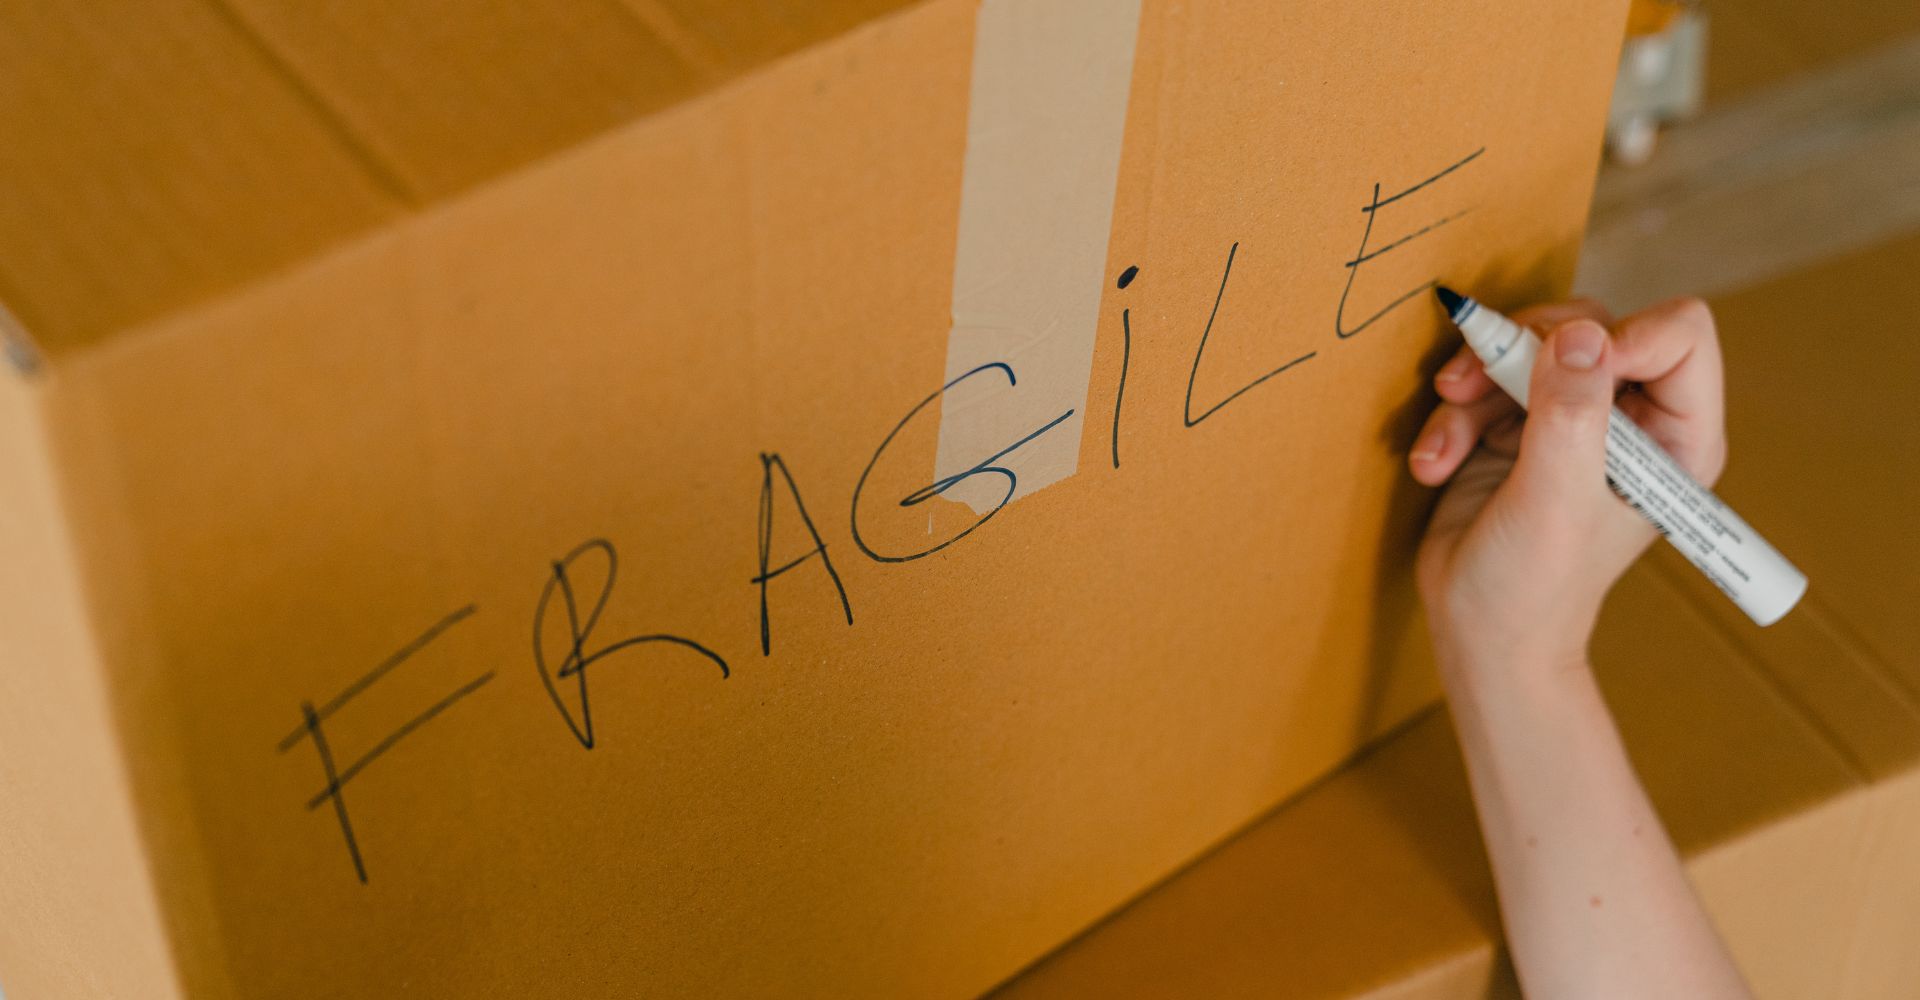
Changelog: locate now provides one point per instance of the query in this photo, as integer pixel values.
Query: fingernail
(1452, 371)
(1578, 344)
(1429, 446)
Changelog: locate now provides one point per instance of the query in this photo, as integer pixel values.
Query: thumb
(1563, 442)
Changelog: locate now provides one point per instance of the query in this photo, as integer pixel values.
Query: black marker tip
(1454, 302)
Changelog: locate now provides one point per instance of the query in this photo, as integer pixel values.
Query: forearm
(1594, 897)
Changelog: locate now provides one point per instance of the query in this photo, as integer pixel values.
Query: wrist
(1522, 701)
(1506, 659)
(1476, 634)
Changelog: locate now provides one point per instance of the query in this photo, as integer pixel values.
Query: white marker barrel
(1712, 537)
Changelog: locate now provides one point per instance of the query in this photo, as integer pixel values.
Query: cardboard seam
(1481, 964)
(1756, 664)
(1224, 841)
(386, 177)
(172, 321)
(1843, 634)
(1883, 826)
(1859, 851)
(185, 903)
(191, 893)
(1742, 850)
(1851, 957)
(56, 467)
(668, 31)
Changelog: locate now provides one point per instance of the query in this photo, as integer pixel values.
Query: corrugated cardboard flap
(160, 154)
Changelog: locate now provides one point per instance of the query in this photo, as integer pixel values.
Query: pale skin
(1524, 544)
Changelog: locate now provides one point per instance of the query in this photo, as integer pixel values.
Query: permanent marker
(1712, 537)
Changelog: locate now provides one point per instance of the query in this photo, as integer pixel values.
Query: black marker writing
(920, 496)
(1199, 352)
(596, 561)
(338, 777)
(768, 463)
(1126, 355)
(1363, 255)
(577, 659)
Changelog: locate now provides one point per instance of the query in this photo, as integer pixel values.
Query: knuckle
(1569, 414)
(1588, 392)
(1694, 308)
(1693, 314)
(1675, 334)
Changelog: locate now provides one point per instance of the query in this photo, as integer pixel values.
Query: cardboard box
(351, 391)
(1785, 761)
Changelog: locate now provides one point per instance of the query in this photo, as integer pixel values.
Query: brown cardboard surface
(1831, 381)
(1786, 762)
(161, 153)
(390, 447)
(441, 95)
(741, 36)
(144, 188)
(76, 897)
(1373, 883)
(1370, 878)
(1376, 879)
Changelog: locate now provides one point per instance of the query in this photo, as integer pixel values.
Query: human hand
(1527, 539)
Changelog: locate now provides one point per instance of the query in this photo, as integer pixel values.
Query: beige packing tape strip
(1044, 133)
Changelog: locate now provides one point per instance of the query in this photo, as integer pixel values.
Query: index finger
(1673, 351)
(1544, 317)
